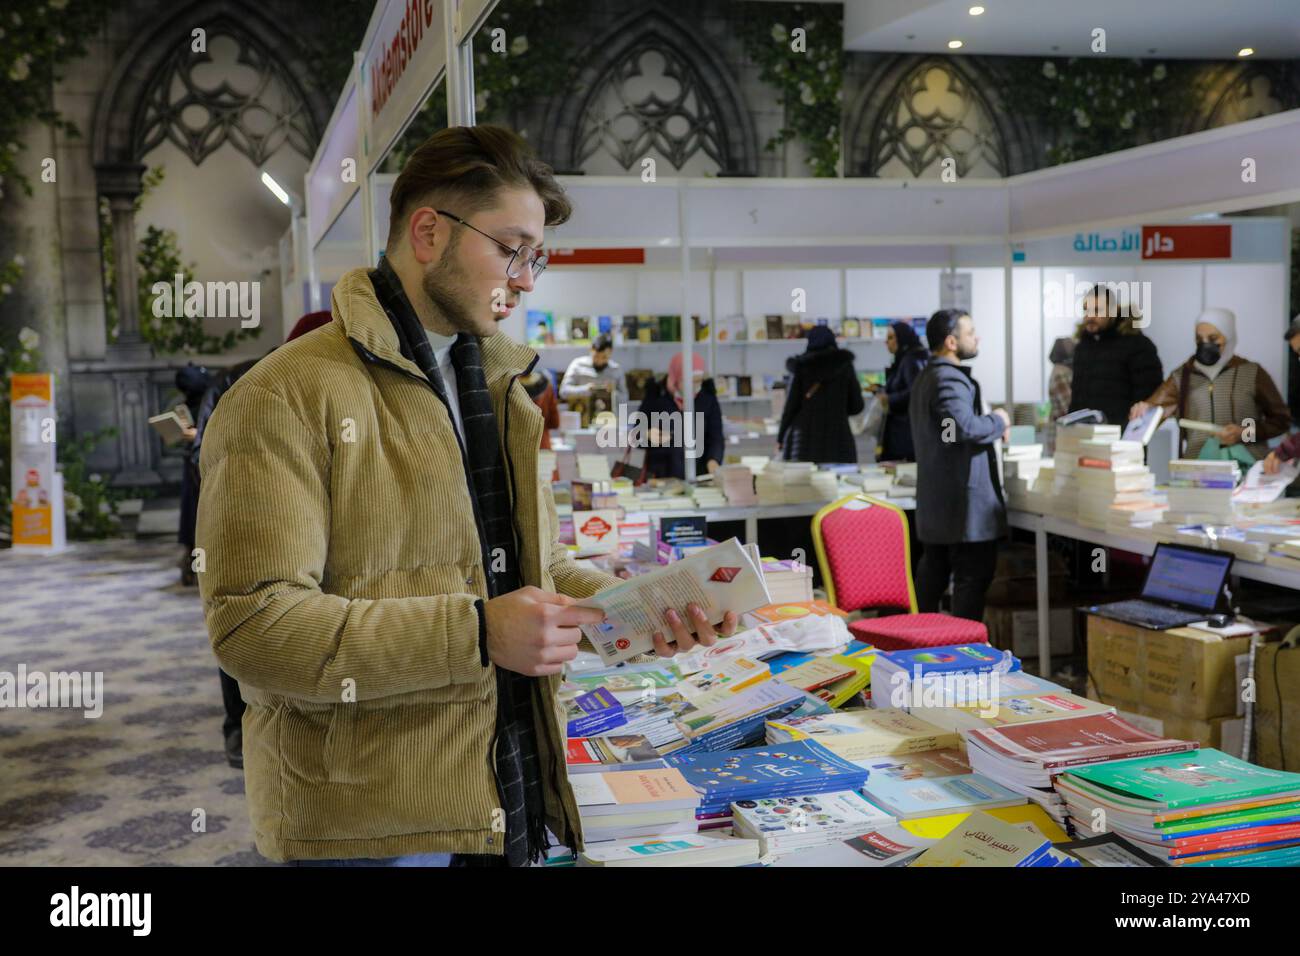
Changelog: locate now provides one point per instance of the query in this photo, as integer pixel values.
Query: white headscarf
(1225, 320)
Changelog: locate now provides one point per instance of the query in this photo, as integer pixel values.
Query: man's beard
(446, 286)
(965, 356)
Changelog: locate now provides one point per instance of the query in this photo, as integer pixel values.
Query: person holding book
(1115, 365)
(383, 576)
(822, 393)
(1220, 387)
(598, 367)
(960, 513)
(1288, 449)
(910, 358)
(666, 455)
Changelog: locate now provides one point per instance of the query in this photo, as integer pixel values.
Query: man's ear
(422, 235)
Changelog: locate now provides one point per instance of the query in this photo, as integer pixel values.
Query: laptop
(1183, 585)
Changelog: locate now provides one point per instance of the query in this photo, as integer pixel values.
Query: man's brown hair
(461, 168)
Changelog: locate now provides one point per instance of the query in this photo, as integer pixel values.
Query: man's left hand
(696, 629)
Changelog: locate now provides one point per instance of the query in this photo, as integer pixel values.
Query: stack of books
(1200, 491)
(1026, 758)
(785, 826)
(737, 483)
(683, 849)
(937, 676)
(723, 719)
(594, 713)
(638, 803)
(1021, 466)
(931, 783)
(872, 479)
(794, 482)
(859, 736)
(1200, 807)
(1115, 487)
(708, 497)
(1065, 487)
(788, 582)
(1285, 555)
(613, 752)
(795, 769)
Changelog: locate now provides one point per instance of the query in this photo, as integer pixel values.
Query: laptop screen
(1190, 578)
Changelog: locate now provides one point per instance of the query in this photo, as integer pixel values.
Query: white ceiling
(1209, 29)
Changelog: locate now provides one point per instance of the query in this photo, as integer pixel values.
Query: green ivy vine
(1096, 105)
(807, 71)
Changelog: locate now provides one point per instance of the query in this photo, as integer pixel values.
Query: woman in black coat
(667, 458)
(910, 357)
(822, 393)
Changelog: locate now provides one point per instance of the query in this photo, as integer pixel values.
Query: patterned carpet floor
(121, 789)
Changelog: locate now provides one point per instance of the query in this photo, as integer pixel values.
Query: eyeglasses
(519, 257)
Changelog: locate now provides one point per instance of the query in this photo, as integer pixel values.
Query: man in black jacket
(1115, 365)
(959, 509)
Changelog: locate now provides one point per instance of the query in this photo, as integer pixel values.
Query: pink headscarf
(675, 374)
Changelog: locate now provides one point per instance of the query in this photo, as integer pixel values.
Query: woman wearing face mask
(1215, 385)
(910, 358)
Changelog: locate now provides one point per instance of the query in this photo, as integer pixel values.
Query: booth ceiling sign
(1187, 242)
(406, 59)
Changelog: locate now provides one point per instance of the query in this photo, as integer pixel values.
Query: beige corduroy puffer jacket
(343, 567)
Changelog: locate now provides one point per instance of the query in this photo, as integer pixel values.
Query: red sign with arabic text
(1187, 242)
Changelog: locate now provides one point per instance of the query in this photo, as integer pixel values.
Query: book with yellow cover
(861, 734)
(940, 826)
(1023, 709)
(982, 840)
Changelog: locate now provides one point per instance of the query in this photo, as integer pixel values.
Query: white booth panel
(659, 292)
(1257, 294)
(1175, 301)
(771, 292)
(589, 291)
(609, 212)
(990, 367)
(1029, 341)
(892, 292)
(726, 293)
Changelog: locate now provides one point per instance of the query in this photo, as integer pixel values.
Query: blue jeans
(415, 859)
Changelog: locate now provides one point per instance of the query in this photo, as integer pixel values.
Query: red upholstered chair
(865, 556)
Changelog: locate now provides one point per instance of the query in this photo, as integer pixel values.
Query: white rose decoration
(1049, 70)
(28, 338)
(519, 46)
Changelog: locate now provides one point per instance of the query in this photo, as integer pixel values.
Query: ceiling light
(275, 187)
(954, 44)
(1246, 51)
(976, 11)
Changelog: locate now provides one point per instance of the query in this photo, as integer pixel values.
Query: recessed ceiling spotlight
(976, 11)
(954, 44)
(1244, 51)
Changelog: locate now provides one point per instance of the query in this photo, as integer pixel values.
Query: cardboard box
(1221, 733)
(1016, 629)
(1277, 704)
(1182, 672)
(1015, 582)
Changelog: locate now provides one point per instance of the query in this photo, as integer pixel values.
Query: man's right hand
(1139, 408)
(534, 632)
(1272, 463)
(1006, 423)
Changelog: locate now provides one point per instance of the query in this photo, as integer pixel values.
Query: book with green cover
(1168, 781)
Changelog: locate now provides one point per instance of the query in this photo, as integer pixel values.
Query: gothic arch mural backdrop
(649, 88)
(914, 111)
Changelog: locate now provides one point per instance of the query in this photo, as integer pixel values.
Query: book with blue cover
(595, 713)
(957, 659)
(785, 770)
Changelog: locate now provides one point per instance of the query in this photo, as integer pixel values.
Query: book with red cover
(1074, 741)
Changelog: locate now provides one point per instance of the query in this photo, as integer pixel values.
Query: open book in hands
(719, 579)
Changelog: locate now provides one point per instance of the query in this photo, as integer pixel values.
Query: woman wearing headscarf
(822, 393)
(910, 357)
(666, 456)
(1218, 386)
(1059, 385)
